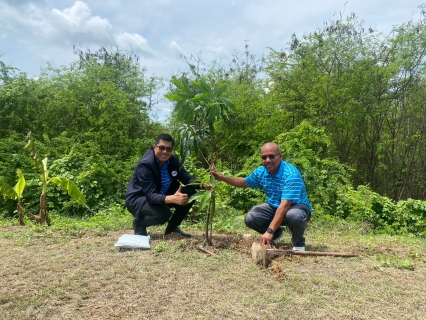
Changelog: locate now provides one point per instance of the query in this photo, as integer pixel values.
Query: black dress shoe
(139, 230)
(178, 230)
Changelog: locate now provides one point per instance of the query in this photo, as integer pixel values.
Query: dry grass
(52, 276)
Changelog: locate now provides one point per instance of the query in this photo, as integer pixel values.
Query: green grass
(72, 270)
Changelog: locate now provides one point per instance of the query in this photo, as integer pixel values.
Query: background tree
(357, 84)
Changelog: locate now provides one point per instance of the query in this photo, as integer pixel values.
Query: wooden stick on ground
(261, 254)
(277, 252)
(205, 251)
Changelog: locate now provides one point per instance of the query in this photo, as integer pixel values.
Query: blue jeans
(296, 220)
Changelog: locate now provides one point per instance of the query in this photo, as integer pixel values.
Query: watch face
(269, 230)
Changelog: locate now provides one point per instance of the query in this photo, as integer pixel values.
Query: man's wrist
(269, 230)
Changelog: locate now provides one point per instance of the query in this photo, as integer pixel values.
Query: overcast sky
(34, 33)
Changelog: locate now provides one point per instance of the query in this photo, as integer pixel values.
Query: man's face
(163, 151)
(271, 158)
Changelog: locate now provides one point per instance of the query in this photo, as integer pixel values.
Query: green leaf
(20, 185)
(206, 87)
(205, 199)
(187, 112)
(213, 207)
(175, 97)
(179, 85)
(213, 181)
(72, 189)
(196, 196)
(202, 97)
(185, 156)
(198, 85)
(187, 88)
(7, 190)
(220, 90)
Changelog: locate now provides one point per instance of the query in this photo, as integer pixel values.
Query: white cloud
(74, 23)
(135, 42)
(177, 49)
(161, 31)
(218, 51)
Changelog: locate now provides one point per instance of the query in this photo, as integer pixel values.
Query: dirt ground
(55, 276)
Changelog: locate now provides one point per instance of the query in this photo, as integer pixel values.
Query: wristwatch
(269, 230)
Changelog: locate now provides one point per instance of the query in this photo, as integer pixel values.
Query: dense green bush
(410, 216)
(365, 205)
(308, 148)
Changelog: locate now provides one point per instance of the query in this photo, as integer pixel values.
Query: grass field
(49, 274)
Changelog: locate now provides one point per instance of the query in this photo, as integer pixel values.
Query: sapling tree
(199, 106)
(15, 193)
(62, 182)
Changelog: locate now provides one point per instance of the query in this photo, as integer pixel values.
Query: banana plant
(15, 193)
(61, 182)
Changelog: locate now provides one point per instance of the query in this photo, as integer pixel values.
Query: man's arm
(277, 221)
(236, 182)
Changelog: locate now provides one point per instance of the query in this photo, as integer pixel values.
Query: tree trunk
(43, 217)
(20, 215)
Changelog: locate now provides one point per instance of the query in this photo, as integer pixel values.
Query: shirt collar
(165, 163)
(279, 172)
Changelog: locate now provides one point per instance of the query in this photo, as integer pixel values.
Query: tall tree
(360, 86)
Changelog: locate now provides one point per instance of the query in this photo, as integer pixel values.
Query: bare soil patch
(54, 276)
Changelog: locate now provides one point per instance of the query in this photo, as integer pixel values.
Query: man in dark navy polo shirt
(154, 189)
(287, 201)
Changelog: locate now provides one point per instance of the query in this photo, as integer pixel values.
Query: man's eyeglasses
(163, 148)
(270, 156)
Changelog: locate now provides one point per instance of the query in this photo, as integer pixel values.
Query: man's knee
(154, 214)
(297, 218)
(249, 219)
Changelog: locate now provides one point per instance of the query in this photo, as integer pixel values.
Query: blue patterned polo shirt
(166, 180)
(287, 184)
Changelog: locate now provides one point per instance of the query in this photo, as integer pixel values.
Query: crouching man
(287, 200)
(154, 189)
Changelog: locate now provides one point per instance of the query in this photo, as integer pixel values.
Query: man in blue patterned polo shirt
(287, 200)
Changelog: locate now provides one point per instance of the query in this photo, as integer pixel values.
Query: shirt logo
(174, 173)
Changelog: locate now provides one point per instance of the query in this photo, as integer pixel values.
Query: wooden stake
(261, 254)
(205, 251)
(278, 252)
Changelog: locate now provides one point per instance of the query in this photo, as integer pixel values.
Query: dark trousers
(297, 218)
(157, 214)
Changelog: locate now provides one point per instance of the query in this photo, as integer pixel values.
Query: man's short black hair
(165, 137)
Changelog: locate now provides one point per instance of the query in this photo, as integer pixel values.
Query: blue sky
(34, 33)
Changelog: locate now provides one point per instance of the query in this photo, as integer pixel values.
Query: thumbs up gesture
(179, 197)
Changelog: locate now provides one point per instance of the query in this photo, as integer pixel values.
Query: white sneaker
(298, 248)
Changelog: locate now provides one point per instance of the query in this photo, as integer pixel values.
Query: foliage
(64, 183)
(308, 148)
(15, 193)
(361, 152)
(199, 106)
(366, 91)
(364, 205)
(410, 216)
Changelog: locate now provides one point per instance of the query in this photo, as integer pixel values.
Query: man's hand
(236, 182)
(267, 238)
(206, 186)
(217, 175)
(178, 198)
